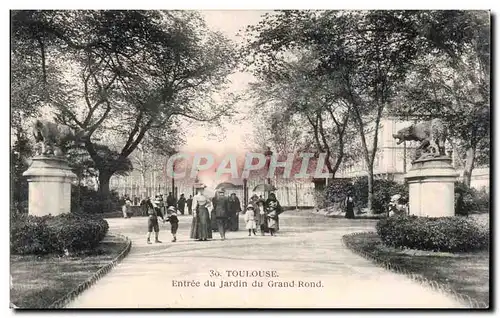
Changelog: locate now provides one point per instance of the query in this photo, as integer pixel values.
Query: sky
(234, 134)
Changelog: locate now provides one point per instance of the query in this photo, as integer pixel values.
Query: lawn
(39, 281)
(465, 273)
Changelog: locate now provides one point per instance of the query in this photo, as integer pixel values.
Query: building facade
(392, 161)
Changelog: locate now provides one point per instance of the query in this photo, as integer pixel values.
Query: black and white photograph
(258, 159)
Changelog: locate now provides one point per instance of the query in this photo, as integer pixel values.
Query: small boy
(153, 213)
(174, 221)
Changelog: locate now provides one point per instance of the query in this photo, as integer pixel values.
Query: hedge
(469, 200)
(382, 192)
(89, 201)
(56, 234)
(445, 234)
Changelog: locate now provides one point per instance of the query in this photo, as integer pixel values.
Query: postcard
(291, 159)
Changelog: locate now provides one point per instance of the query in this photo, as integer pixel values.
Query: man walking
(189, 203)
(181, 203)
(234, 210)
(221, 212)
(171, 200)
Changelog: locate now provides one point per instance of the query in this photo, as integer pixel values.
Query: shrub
(446, 234)
(56, 234)
(469, 200)
(320, 199)
(382, 192)
(89, 201)
(337, 190)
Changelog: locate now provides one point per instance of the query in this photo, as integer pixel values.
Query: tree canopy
(121, 74)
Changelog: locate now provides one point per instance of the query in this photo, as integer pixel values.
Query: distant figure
(189, 203)
(250, 220)
(260, 213)
(221, 211)
(349, 206)
(181, 204)
(234, 210)
(171, 200)
(126, 207)
(144, 204)
(174, 222)
(273, 209)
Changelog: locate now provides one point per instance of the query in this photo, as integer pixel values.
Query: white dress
(250, 220)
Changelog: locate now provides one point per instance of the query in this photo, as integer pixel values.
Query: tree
(455, 86)
(305, 97)
(153, 152)
(368, 53)
(19, 154)
(137, 71)
(365, 53)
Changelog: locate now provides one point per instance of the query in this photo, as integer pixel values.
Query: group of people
(171, 201)
(264, 213)
(217, 215)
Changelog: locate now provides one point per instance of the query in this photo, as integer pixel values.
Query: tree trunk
(469, 166)
(143, 184)
(104, 177)
(370, 188)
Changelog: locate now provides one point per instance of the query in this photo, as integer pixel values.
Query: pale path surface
(308, 249)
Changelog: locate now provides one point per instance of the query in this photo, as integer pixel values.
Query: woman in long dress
(349, 206)
(273, 209)
(201, 226)
(260, 214)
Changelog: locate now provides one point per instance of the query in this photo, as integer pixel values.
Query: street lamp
(268, 155)
(245, 192)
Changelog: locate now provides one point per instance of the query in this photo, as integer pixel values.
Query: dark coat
(234, 205)
(221, 207)
(181, 203)
(171, 201)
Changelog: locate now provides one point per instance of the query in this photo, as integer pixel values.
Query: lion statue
(52, 138)
(432, 135)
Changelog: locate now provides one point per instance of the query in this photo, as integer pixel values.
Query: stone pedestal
(432, 187)
(49, 180)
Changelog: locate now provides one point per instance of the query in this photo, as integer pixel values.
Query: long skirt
(262, 222)
(233, 223)
(349, 212)
(200, 227)
(272, 223)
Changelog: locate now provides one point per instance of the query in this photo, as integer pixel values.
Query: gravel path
(313, 270)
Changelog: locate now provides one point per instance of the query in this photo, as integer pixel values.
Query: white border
(185, 4)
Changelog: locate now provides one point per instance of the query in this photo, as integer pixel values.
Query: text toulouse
(253, 162)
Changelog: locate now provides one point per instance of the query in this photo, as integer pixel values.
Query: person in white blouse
(200, 226)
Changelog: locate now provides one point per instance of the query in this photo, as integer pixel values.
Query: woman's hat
(171, 208)
(250, 206)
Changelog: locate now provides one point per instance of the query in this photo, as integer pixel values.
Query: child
(250, 220)
(174, 222)
(154, 212)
